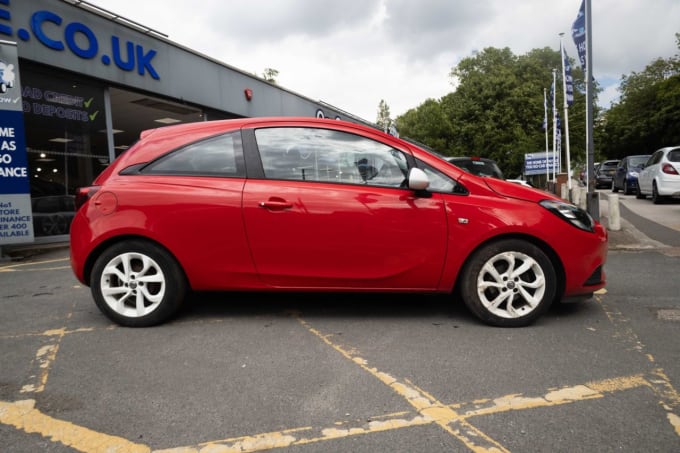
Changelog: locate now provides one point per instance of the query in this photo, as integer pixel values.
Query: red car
(301, 204)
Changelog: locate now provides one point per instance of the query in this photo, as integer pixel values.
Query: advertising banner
(534, 163)
(16, 216)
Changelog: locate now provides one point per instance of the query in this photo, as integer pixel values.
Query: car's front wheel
(137, 284)
(508, 283)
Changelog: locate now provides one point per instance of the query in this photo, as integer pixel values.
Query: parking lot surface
(241, 372)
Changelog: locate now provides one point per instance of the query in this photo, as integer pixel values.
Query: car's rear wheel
(656, 198)
(508, 283)
(137, 284)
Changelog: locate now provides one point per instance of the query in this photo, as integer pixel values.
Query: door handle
(276, 204)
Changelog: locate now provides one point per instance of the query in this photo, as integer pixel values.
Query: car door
(620, 175)
(332, 211)
(646, 176)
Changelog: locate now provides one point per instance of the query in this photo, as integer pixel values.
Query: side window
(439, 182)
(218, 156)
(650, 161)
(312, 154)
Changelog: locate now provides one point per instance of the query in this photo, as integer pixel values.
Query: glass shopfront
(66, 136)
(65, 141)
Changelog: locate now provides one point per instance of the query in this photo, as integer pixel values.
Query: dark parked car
(626, 176)
(479, 166)
(605, 173)
(304, 204)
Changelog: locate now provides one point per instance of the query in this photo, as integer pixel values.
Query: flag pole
(594, 201)
(545, 127)
(554, 72)
(566, 114)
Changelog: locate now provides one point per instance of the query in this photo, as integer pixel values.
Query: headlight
(634, 174)
(570, 213)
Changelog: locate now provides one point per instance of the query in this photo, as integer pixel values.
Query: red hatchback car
(301, 204)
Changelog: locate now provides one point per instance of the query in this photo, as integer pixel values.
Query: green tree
(647, 115)
(496, 110)
(270, 75)
(384, 121)
(428, 124)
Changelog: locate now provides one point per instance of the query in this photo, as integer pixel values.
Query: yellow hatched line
(426, 405)
(453, 418)
(23, 415)
(669, 398)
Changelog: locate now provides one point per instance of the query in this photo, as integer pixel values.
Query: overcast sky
(353, 53)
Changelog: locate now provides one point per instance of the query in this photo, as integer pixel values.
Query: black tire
(614, 188)
(656, 198)
(638, 194)
(626, 189)
(148, 293)
(504, 256)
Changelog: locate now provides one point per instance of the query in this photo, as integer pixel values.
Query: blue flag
(545, 112)
(578, 34)
(568, 79)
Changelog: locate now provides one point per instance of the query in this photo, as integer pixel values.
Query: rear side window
(217, 156)
(674, 155)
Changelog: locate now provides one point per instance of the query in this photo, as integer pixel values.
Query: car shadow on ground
(206, 306)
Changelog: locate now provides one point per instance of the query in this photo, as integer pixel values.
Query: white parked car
(660, 176)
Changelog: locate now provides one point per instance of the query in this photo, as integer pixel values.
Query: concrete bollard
(576, 195)
(614, 213)
(564, 192)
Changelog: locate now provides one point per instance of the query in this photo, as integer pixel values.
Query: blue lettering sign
(128, 65)
(37, 21)
(77, 27)
(83, 42)
(144, 62)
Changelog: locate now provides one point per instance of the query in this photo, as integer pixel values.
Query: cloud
(427, 28)
(354, 53)
(256, 22)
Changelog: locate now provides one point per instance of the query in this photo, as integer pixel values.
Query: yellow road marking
(556, 397)
(48, 426)
(42, 269)
(669, 398)
(53, 332)
(11, 267)
(425, 404)
(44, 358)
(24, 416)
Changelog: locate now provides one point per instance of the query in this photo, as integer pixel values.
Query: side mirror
(417, 179)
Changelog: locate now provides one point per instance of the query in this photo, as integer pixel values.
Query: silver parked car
(660, 176)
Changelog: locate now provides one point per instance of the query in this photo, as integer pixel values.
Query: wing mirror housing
(418, 180)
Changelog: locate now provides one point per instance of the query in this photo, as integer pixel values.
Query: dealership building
(92, 80)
